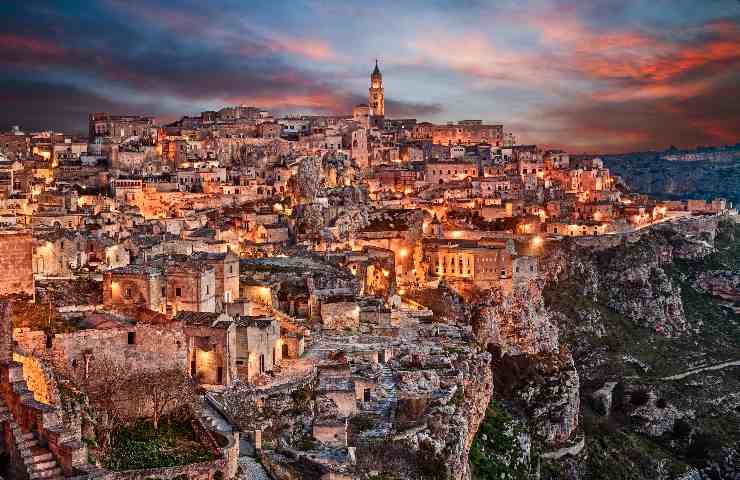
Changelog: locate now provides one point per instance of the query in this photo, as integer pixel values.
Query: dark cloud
(42, 106)
(711, 117)
(398, 108)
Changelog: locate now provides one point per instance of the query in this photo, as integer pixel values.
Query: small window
(178, 292)
(132, 338)
(127, 292)
(164, 291)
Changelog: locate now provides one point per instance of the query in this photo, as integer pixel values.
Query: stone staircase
(38, 461)
(386, 402)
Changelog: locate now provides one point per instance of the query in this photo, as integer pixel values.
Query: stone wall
(340, 315)
(16, 262)
(39, 378)
(153, 345)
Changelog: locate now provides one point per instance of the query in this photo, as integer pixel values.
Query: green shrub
(140, 446)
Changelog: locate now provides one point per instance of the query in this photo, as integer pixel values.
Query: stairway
(38, 461)
(386, 401)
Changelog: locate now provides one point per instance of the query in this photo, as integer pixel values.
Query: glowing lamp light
(537, 241)
(403, 252)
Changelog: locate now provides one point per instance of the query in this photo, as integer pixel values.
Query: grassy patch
(140, 446)
(496, 453)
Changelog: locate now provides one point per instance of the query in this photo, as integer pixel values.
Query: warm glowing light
(386, 273)
(403, 252)
(537, 241)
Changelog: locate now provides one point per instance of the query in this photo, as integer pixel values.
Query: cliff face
(451, 428)
(628, 274)
(518, 323)
(535, 382)
(649, 318)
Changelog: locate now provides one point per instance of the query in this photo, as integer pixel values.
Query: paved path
(251, 469)
(718, 366)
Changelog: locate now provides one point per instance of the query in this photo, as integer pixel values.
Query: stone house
(211, 346)
(16, 261)
(273, 233)
(226, 266)
(190, 286)
(134, 285)
(259, 347)
(165, 284)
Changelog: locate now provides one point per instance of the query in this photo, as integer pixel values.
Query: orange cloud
(313, 49)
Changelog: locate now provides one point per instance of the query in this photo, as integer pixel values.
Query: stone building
(211, 342)
(226, 266)
(134, 285)
(443, 172)
(190, 286)
(486, 264)
(259, 347)
(118, 127)
(135, 346)
(166, 284)
(467, 132)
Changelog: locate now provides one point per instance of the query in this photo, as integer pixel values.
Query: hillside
(655, 334)
(677, 174)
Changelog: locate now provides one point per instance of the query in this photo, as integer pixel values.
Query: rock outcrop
(628, 274)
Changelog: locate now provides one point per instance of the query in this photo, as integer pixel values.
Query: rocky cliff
(656, 344)
(536, 385)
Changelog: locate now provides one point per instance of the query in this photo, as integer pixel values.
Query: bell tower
(376, 97)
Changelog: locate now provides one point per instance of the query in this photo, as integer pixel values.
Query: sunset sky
(597, 76)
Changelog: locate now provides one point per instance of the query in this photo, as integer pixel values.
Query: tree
(106, 383)
(164, 389)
